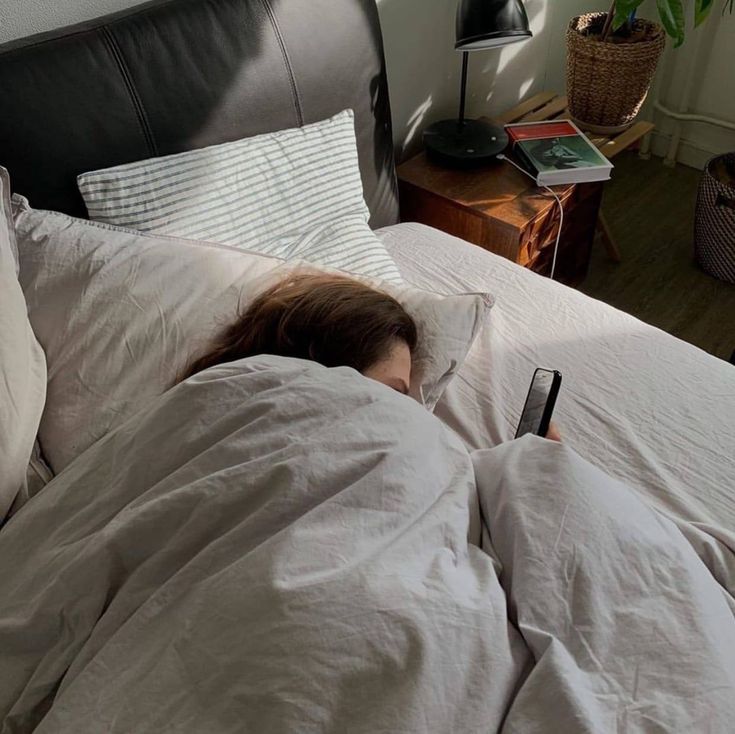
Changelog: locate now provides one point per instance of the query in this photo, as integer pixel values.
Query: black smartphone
(540, 402)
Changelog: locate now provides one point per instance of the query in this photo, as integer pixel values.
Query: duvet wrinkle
(561, 527)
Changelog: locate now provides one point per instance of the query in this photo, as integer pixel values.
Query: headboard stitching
(130, 86)
(286, 61)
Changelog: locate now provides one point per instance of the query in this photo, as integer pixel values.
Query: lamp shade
(489, 23)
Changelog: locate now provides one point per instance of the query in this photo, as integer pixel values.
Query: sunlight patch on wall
(537, 14)
(523, 89)
(415, 120)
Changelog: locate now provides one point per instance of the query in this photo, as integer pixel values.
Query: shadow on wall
(424, 68)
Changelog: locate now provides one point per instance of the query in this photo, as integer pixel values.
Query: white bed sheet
(650, 409)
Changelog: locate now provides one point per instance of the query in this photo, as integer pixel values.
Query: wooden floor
(650, 209)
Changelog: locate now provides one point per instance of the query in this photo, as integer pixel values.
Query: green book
(557, 152)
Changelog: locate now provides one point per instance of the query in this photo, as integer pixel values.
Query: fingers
(553, 432)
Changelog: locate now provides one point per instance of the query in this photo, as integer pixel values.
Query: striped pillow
(293, 193)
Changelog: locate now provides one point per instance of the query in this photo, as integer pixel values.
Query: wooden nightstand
(501, 210)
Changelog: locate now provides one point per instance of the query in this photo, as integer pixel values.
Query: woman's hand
(553, 432)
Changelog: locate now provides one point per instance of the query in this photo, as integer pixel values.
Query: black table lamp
(481, 24)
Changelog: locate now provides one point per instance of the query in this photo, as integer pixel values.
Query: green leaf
(672, 19)
(623, 9)
(702, 9)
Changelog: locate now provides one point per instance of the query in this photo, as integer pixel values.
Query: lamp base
(464, 144)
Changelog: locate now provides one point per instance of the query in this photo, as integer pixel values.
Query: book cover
(557, 152)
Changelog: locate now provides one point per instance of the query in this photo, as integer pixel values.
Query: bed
(655, 414)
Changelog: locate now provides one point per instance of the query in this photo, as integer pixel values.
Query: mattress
(651, 410)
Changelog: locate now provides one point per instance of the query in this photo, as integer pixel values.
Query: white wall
(20, 18)
(423, 67)
(713, 90)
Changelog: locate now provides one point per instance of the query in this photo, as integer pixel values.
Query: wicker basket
(714, 223)
(607, 82)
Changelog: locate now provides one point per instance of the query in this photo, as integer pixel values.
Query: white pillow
(293, 194)
(22, 366)
(120, 314)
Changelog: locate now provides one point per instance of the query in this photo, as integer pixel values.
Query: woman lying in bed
(330, 319)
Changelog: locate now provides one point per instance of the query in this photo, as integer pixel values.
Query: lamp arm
(463, 90)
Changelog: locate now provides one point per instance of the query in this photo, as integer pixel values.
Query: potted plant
(612, 58)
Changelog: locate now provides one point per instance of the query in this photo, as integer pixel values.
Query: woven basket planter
(608, 82)
(714, 223)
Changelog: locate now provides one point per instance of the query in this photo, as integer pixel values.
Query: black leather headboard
(172, 75)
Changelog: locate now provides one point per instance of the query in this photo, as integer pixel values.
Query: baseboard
(689, 153)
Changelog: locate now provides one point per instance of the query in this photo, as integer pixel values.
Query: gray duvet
(277, 547)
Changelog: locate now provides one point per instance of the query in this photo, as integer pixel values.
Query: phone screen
(538, 396)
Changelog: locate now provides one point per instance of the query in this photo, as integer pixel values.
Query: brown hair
(329, 319)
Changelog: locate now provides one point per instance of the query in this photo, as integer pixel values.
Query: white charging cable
(505, 158)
